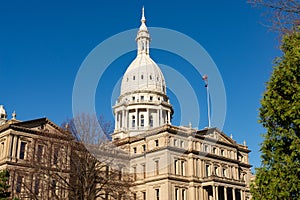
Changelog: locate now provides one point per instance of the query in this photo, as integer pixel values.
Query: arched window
(142, 77)
(133, 121)
(142, 120)
(133, 78)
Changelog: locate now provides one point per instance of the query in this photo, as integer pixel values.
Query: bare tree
(282, 15)
(98, 169)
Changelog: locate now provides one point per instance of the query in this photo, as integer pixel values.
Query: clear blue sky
(43, 43)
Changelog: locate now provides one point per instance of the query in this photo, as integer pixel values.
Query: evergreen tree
(4, 176)
(279, 175)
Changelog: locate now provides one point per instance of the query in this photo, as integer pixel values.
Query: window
(142, 120)
(37, 187)
(134, 150)
(151, 98)
(19, 184)
(216, 170)
(182, 144)
(183, 194)
(22, 150)
(144, 170)
(176, 167)
(183, 168)
(53, 186)
(206, 149)
(144, 147)
(207, 170)
(134, 196)
(176, 194)
(142, 77)
(150, 77)
(142, 98)
(156, 143)
(133, 121)
(133, 98)
(222, 152)
(175, 142)
(39, 152)
(144, 195)
(156, 167)
(151, 121)
(55, 155)
(224, 172)
(157, 194)
(107, 170)
(2, 149)
(215, 150)
(133, 78)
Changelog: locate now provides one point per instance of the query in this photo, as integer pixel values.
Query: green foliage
(279, 176)
(4, 176)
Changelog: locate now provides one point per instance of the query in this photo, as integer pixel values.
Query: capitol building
(172, 162)
(166, 162)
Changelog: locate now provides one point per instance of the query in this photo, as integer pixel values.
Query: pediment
(42, 125)
(216, 134)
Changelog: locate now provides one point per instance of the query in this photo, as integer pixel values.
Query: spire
(143, 37)
(143, 20)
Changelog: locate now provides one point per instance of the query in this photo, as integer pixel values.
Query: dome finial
(143, 20)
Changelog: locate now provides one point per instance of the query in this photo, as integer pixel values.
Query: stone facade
(37, 155)
(172, 162)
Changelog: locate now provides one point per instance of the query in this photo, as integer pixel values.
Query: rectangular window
(175, 142)
(53, 187)
(157, 194)
(134, 196)
(134, 173)
(134, 150)
(206, 170)
(39, 152)
(144, 195)
(55, 155)
(156, 143)
(156, 167)
(176, 194)
(176, 167)
(37, 187)
(19, 184)
(142, 98)
(144, 147)
(151, 98)
(144, 170)
(183, 194)
(183, 168)
(22, 150)
(2, 149)
(182, 144)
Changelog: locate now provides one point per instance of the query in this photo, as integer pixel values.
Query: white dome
(143, 74)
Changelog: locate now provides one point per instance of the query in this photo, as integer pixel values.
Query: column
(214, 192)
(241, 193)
(217, 193)
(123, 119)
(116, 121)
(147, 117)
(169, 117)
(225, 193)
(136, 119)
(126, 120)
(9, 142)
(233, 193)
(201, 193)
(160, 117)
